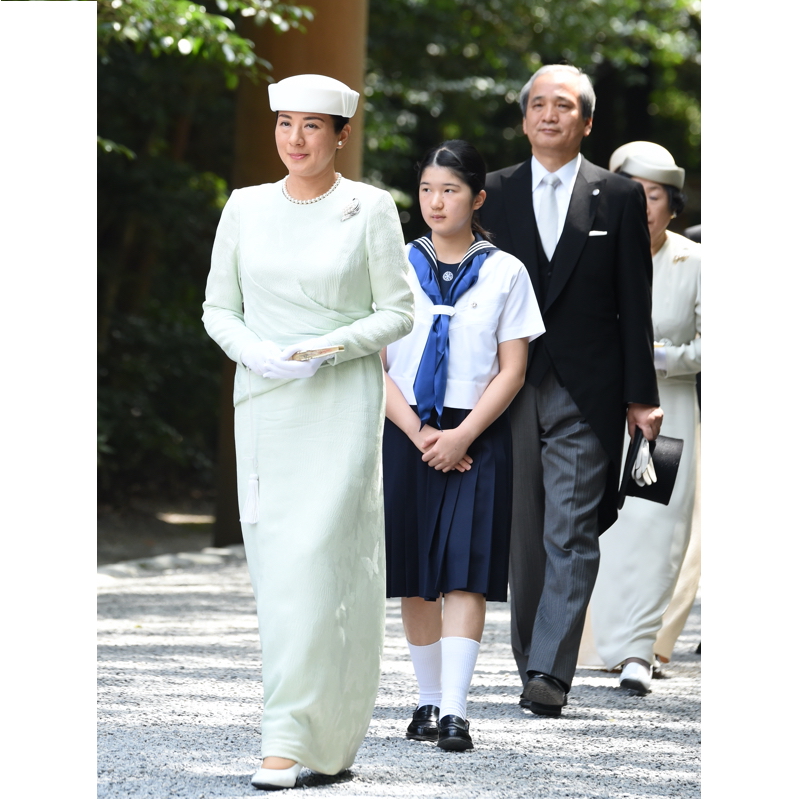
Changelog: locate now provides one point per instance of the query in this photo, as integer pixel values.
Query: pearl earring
(339, 143)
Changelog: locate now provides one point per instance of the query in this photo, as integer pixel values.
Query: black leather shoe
(543, 696)
(454, 734)
(424, 725)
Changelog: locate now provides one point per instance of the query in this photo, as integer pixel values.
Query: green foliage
(158, 371)
(107, 146)
(159, 380)
(440, 69)
(186, 28)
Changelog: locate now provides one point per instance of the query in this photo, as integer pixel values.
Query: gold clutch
(323, 352)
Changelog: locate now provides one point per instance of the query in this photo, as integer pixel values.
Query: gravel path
(179, 707)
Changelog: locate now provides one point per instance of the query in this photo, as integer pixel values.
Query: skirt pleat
(448, 531)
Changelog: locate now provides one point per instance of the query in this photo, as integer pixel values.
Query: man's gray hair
(585, 88)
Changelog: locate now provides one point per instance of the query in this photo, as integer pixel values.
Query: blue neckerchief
(431, 381)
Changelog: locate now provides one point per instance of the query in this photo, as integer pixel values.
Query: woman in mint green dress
(312, 261)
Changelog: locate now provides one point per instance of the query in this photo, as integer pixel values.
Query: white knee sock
(458, 663)
(427, 661)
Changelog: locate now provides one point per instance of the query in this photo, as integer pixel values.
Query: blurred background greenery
(168, 74)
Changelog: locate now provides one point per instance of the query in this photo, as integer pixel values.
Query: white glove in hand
(281, 367)
(644, 473)
(259, 355)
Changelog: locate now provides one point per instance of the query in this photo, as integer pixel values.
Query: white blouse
(500, 306)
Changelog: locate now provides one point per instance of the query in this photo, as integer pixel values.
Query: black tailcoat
(597, 309)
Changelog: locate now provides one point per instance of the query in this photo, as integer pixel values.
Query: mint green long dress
(289, 273)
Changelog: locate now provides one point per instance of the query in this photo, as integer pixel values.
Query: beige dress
(642, 553)
(288, 273)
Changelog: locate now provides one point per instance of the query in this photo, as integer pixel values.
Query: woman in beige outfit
(642, 553)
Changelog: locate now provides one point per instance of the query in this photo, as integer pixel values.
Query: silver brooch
(351, 209)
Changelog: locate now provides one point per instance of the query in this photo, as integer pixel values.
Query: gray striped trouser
(559, 478)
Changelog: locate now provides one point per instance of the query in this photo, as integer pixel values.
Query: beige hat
(649, 161)
(313, 93)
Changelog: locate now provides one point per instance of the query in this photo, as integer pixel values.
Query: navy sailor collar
(425, 245)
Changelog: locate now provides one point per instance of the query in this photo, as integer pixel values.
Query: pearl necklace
(313, 199)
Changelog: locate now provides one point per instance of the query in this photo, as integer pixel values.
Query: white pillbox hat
(649, 161)
(314, 94)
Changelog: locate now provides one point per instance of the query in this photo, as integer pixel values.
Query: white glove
(282, 367)
(259, 355)
(643, 472)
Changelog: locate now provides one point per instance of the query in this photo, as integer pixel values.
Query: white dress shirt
(563, 191)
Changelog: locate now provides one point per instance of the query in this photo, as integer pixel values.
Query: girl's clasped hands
(445, 450)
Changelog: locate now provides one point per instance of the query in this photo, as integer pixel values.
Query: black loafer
(454, 734)
(542, 695)
(424, 725)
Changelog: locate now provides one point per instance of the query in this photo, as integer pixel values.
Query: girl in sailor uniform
(447, 440)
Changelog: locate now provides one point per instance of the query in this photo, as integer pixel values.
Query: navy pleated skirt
(448, 531)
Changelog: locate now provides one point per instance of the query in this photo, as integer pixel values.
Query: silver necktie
(548, 214)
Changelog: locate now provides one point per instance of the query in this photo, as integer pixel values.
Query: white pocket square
(598, 233)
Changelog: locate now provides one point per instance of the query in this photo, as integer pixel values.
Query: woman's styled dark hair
(675, 197)
(338, 122)
(465, 161)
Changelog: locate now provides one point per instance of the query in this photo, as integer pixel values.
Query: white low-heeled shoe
(636, 677)
(276, 778)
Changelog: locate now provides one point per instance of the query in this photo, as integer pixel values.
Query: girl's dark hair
(675, 197)
(465, 161)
